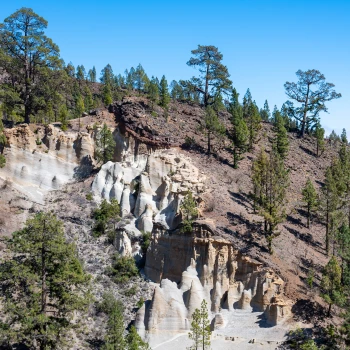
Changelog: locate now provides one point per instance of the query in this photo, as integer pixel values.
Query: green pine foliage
(43, 274)
(134, 341)
(310, 199)
(239, 132)
(189, 212)
(164, 96)
(106, 216)
(212, 127)
(280, 141)
(63, 117)
(214, 78)
(105, 144)
(153, 92)
(41, 74)
(200, 332)
(114, 339)
(270, 182)
(3, 142)
(252, 118)
(265, 112)
(123, 268)
(319, 134)
(331, 284)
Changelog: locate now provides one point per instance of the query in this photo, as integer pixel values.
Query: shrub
(89, 197)
(140, 303)
(122, 269)
(108, 303)
(105, 215)
(130, 292)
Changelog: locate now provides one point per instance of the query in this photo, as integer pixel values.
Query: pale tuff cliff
(187, 267)
(150, 183)
(40, 159)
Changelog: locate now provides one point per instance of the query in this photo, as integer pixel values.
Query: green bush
(106, 215)
(146, 241)
(122, 269)
(140, 303)
(108, 303)
(89, 197)
(130, 292)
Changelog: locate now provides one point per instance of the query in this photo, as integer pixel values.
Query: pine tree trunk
(235, 158)
(329, 310)
(209, 146)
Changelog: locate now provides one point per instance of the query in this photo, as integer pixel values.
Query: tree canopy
(311, 92)
(28, 57)
(214, 78)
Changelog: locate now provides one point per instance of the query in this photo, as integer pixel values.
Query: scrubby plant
(189, 212)
(123, 268)
(106, 216)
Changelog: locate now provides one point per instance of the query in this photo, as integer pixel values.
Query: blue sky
(263, 42)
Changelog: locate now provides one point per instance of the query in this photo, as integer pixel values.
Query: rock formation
(40, 159)
(199, 265)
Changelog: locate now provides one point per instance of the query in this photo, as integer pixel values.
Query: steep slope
(224, 260)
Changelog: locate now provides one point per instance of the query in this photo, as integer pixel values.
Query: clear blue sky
(263, 42)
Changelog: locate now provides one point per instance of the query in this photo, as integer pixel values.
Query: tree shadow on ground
(248, 238)
(308, 151)
(305, 237)
(241, 199)
(309, 311)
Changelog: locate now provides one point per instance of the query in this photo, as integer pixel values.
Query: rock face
(149, 188)
(42, 159)
(196, 266)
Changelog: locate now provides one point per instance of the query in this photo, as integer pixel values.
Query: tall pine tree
(43, 284)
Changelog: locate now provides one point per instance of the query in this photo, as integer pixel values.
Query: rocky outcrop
(40, 159)
(201, 265)
(149, 189)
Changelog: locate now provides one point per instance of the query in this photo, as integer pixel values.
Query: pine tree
(310, 198)
(331, 284)
(189, 212)
(253, 121)
(212, 127)
(215, 77)
(334, 194)
(43, 274)
(79, 107)
(343, 137)
(105, 145)
(29, 58)
(153, 92)
(63, 117)
(343, 251)
(114, 339)
(311, 92)
(270, 180)
(281, 138)
(81, 73)
(239, 132)
(319, 134)
(3, 141)
(134, 341)
(200, 332)
(164, 97)
(140, 78)
(88, 101)
(92, 74)
(265, 112)
(107, 94)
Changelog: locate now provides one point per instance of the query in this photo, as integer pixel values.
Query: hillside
(224, 201)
